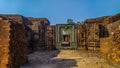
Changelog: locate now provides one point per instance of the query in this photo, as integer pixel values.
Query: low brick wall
(110, 48)
(114, 54)
(13, 44)
(105, 46)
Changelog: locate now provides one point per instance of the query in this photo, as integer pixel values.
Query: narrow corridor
(66, 59)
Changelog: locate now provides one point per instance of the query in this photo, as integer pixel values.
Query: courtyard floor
(66, 59)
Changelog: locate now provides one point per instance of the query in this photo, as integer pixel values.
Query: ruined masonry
(13, 44)
(21, 35)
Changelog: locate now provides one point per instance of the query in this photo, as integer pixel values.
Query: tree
(70, 21)
(78, 22)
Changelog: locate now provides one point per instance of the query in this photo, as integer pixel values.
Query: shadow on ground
(48, 59)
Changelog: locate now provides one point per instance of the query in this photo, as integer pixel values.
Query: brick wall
(110, 48)
(13, 44)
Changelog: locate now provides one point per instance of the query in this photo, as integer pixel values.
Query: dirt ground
(66, 59)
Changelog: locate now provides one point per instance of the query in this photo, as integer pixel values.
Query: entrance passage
(66, 36)
(65, 41)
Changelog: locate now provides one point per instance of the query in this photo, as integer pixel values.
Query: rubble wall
(13, 44)
(110, 48)
(105, 46)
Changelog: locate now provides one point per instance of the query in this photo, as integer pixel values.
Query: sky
(58, 11)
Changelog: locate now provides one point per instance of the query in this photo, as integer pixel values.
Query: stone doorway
(65, 40)
(66, 36)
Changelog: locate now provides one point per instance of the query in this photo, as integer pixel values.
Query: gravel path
(66, 59)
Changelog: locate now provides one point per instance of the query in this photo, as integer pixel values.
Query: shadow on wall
(103, 31)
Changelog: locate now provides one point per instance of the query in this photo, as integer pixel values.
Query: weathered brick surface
(109, 35)
(81, 36)
(39, 27)
(96, 20)
(114, 53)
(50, 37)
(111, 19)
(105, 46)
(13, 44)
(24, 21)
(110, 48)
(17, 18)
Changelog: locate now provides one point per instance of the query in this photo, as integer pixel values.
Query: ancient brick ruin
(13, 44)
(39, 27)
(20, 35)
(105, 30)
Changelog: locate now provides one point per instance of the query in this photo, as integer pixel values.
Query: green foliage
(78, 22)
(66, 28)
(70, 21)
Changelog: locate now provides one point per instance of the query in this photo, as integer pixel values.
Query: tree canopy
(70, 21)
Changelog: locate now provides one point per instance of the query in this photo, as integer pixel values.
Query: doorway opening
(65, 40)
